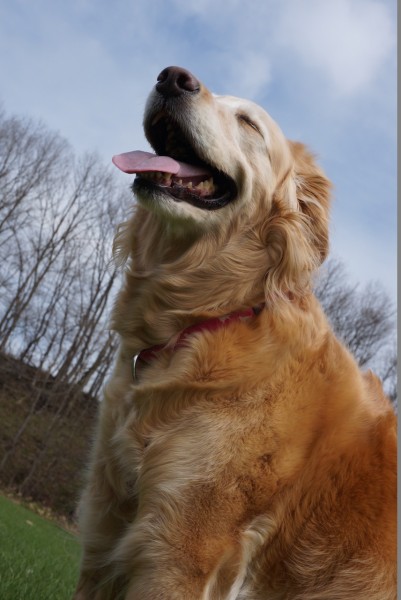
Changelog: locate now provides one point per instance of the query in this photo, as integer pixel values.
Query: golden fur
(258, 462)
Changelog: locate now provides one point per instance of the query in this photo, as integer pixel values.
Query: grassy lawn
(38, 559)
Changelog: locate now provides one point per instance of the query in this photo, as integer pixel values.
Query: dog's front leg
(101, 523)
(106, 507)
(174, 555)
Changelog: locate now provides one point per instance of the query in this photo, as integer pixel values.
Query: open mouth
(176, 169)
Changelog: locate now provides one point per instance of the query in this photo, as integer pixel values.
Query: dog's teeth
(158, 177)
(205, 187)
(210, 185)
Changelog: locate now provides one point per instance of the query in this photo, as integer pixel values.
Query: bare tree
(364, 318)
(57, 218)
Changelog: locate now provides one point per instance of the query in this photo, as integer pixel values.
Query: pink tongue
(142, 162)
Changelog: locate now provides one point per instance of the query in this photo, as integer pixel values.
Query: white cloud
(366, 255)
(341, 44)
(346, 40)
(249, 74)
(206, 8)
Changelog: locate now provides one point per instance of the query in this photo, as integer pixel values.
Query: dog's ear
(313, 191)
(296, 234)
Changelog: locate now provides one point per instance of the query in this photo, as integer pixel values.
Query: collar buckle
(134, 360)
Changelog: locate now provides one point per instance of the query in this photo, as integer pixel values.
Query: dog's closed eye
(245, 119)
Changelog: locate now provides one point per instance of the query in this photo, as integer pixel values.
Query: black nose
(174, 81)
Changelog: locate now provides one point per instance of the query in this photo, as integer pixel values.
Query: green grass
(38, 559)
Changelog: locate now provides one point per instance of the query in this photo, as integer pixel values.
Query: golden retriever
(240, 453)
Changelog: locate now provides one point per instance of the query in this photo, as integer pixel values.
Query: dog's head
(222, 164)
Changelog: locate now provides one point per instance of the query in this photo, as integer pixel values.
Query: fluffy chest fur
(236, 462)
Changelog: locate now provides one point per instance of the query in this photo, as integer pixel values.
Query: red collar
(148, 355)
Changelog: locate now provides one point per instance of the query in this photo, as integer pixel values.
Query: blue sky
(325, 70)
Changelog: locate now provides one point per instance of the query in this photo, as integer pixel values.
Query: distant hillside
(45, 433)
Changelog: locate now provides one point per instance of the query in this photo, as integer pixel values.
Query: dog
(240, 453)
